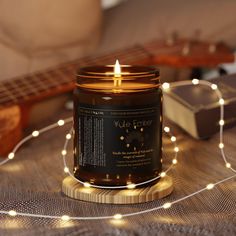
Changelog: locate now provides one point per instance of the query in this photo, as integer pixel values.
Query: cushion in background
(38, 34)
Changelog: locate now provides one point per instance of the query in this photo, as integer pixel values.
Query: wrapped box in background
(196, 108)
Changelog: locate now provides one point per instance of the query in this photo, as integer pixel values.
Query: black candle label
(119, 140)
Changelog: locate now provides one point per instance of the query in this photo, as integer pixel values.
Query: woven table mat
(32, 183)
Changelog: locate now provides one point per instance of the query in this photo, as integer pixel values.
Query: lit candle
(118, 124)
(117, 74)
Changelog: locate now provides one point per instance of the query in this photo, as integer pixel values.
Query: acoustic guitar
(18, 94)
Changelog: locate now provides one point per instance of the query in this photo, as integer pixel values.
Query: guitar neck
(61, 79)
(40, 85)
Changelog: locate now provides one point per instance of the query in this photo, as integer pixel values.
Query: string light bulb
(221, 145)
(131, 186)
(214, 86)
(167, 205)
(166, 129)
(68, 136)
(221, 101)
(87, 185)
(174, 161)
(210, 186)
(63, 152)
(228, 165)
(195, 81)
(12, 213)
(11, 155)
(173, 138)
(61, 122)
(165, 86)
(117, 216)
(163, 174)
(176, 149)
(35, 133)
(66, 169)
(221, 122)
(65, 218)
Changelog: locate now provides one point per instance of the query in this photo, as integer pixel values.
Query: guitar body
(10, 128)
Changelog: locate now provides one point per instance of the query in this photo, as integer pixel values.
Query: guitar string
(37, 82)
(126, 53)
(108, 57)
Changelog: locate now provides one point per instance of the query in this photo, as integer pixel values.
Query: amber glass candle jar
(117, 125)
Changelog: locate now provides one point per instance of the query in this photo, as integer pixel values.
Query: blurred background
(35, 35)
(40, 35)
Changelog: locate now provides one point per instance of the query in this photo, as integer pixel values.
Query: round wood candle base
(73, 189)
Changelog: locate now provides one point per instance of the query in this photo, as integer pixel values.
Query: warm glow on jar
(118, 125)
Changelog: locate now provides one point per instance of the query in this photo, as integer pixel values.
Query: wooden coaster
(73, 189)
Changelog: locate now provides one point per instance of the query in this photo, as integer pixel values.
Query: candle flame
(117, 69)
(117, 74)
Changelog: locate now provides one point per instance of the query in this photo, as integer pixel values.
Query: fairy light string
(130, 185)
(118, 216)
